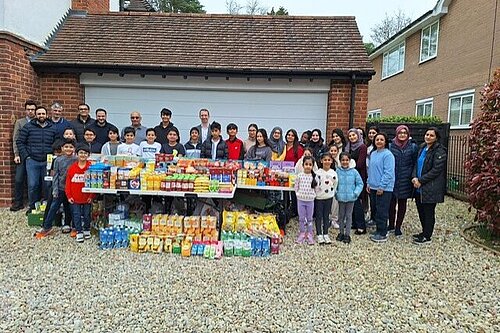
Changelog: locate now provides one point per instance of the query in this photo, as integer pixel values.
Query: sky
(367, 12)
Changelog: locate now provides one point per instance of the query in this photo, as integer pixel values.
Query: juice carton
(143, 243)
(155, 225)
(195, 222)
(187, 223)
(186, 248)
(237, 245)
(206, 251)
(194, 249)
(257, 247)
(201, 249)
(157, 244)
(218, 250)
(167, 245)
(211, 254)
(150, 243)
(163, 222)
(228, 245)
(246, 247)
(266, 247)
(275, 245)
(176, 246)
(146, 222)
(134, 242)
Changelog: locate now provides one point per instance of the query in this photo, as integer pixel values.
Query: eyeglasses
(406, 133)
(82, 109)
(135, 117)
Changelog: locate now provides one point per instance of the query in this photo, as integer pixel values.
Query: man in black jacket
(82, 121)
(101, 126)
(162, 129)
(34, 143)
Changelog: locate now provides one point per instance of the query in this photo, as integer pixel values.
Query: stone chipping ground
(57, 285)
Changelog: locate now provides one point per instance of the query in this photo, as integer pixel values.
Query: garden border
(470, 240)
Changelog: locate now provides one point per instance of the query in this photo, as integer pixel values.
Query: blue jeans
(358, 215)
(54, 207)
(81, 215)
(382, 203)
(322, 209)
(36, 172)
(20, 184)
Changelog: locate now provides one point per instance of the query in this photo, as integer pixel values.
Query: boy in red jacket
(80, 202)
(234, 145)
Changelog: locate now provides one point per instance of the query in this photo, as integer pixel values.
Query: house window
(429, 42)
(424, 107)
(394, 61)
(460, 109)
(374, 114)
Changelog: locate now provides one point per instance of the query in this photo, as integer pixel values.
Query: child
(304, 189)
(173, 144)
(69, 133)
(60, 167)
(261, 150)
(80, 202)
(299, 165)
(380, 184)
(149, 148)
(326, 177)
(234, 145)
(94, 146)
(111, 147)
(214, 148)
(349, 188)
(129, 147)
(193, 146)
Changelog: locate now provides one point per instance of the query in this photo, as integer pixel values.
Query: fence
(458, 150)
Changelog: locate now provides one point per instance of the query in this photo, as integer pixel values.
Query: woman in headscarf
(317, 144)
(357, 149)
(277, 144)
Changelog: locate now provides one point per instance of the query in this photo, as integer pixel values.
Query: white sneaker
(79, 237)
(321, 239)
(66, 229)
(86, 234)
(327, 239)
(335, 225)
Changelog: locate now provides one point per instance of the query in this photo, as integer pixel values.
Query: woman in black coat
(405, 155)
(429, 180)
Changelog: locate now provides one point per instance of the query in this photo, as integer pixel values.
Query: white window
(424, 107)
(375, 114)
(394, 61)
(429, 42)
(460, 109)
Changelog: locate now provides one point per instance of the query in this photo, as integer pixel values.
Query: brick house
(296, 72)
(438, 64)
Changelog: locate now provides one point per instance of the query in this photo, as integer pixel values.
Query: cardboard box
(35, 220)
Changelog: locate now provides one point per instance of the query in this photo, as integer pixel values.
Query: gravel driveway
(56, 285)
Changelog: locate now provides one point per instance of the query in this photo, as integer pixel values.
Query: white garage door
(298, 104)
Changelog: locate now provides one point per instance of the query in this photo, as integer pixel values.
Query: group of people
(336, 184)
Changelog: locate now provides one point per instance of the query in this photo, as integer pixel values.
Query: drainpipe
(353, 101)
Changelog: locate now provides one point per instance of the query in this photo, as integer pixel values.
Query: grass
(484, 236)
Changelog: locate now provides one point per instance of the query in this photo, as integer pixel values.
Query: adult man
(140, 131)
(204, 127)
(19, 184)
(101, 126)
(82, 121)
(34, 143)
(60, 124)
(161, 130)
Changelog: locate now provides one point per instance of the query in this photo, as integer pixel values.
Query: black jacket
(161, 132)
(405, 159)
(79, 126)
(206, 149)
(433, 178)
(35, 141)
(101, 132)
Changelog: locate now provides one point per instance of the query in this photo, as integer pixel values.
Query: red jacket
(290, 154)
(75, 181)
(235, 149)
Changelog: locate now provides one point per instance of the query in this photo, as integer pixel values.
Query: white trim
(437, 41)
(463, 92)
(397, 47)
(374, 112)
(420, 101)
(423, 102)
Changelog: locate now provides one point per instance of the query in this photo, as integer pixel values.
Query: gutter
(353, 101)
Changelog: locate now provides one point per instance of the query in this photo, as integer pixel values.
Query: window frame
(397, 47)
(424, 102)
(374, 112)
(461, 95)
(422, 44)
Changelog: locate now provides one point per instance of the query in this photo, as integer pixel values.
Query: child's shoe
(79, 237)
(310, 239)
(42, 233)
(398, 233)
(73, 233)
(86, 234)
(321, 239)
(301, 238)
(66, 229)
(347, 239)
(335, 225)
(327, 239)
(340, 237)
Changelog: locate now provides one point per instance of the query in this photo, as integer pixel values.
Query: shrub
(407, 120)
(483, 164)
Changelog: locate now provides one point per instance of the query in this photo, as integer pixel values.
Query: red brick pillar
(91, 6)
(65, 88)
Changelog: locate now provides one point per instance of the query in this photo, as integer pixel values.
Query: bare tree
(233, 7)
(253, 7)
(389, 26)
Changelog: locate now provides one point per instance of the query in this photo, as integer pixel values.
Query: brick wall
(339, 104)
(18, 82)
(65, 88)
(91, 6)
(462, 63)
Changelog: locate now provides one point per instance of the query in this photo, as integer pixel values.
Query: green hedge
(407, 120)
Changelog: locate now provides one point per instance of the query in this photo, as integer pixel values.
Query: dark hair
(166, 111)
(323, 155)
(231, 126)
(385, 138)
(308, 132)
(68, 141)
(83, 147)
(113, 129)
(57, 145)
(314, 183)
(340, 133)
(72, 130)
(254, 126)
(174, 129)
(40, 108)
(264, 134)
(128, 129)
(368, 141)
(99, 110)
(362, 132)
(295, 141)
(88, 107)
(319, 133)
(438, 135)
(201, 110)
(342, 154)
(29, 102)
(151, 129)
(89, 129)
(194, 129)
(215, 125)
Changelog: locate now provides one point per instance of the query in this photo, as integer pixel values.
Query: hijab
(399, 143)
(354, 146)
(277, 145)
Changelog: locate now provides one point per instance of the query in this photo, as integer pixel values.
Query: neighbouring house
(438, 64)
(295, 72)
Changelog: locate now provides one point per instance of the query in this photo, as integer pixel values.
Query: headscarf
(277, 145)
(354, 146)
(399, 143)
